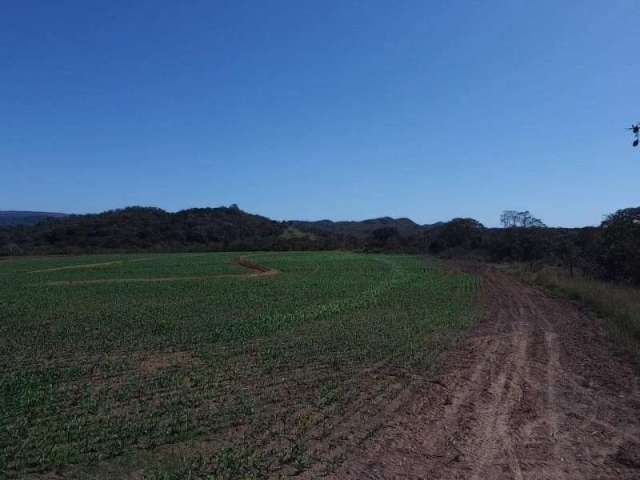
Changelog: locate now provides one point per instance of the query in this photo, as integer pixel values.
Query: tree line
(610, 251)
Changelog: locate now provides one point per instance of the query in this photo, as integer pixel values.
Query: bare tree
(524, 219)
(509, 218)
(529, 221)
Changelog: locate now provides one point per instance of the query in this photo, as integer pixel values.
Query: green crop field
(203, 366)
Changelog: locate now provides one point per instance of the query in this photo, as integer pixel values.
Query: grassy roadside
(618, 304)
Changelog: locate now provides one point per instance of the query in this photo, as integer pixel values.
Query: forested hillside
(144, 228)
(12, 217)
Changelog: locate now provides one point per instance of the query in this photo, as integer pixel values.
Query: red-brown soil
(536, 391)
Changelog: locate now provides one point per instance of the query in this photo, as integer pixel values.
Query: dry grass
(618, 304)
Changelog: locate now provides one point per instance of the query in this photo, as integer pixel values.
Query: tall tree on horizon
(515, 219)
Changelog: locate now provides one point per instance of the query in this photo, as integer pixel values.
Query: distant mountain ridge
(18, 217)
(358, 228)
(404, 226)
(221, 228)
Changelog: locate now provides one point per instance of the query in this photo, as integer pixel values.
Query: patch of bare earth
(78, 267)
(255, 270)
(151, 363)
(144, 365)
(537, 391)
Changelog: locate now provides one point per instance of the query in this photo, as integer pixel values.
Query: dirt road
(535, 392)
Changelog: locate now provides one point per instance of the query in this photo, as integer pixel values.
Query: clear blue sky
(322, 109)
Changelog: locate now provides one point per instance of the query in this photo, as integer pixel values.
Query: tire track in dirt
(258, 270)
(255, 270)
(536, 391)
(78, 267)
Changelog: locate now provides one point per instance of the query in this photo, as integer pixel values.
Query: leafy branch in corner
(635, 129)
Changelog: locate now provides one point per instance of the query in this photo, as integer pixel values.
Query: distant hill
(146, 228)
(361, 229)
(197, 229)
(12, 217)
